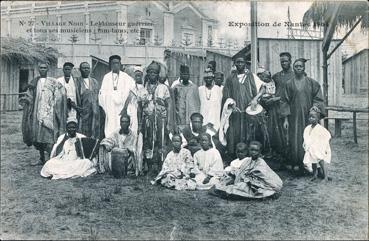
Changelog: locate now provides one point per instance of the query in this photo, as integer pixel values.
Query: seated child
(316, 145)
(175, 172)
(208, 164)
(241, 151)
(254, 178)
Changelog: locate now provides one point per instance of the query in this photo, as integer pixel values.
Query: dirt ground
(101, 207)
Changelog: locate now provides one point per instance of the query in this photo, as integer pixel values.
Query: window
(145, 35)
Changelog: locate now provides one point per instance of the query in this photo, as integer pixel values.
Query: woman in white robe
(65, 161)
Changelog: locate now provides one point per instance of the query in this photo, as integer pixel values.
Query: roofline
(356, 54)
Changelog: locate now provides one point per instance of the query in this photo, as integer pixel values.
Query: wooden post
(254, 37)
(325, 84)
(354, 124)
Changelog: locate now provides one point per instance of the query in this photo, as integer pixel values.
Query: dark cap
(154, 66)
(68, 64)
(285, 54)
(114, 57)
(184, 69)
(303, 60)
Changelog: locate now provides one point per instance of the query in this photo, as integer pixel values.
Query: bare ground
(101, 207)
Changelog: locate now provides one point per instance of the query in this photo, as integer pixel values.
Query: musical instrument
(88, 147)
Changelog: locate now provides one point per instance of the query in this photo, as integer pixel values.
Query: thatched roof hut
(348, 14)
(18, 61)
(21, 50)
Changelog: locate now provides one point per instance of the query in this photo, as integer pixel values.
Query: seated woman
(117, 153)
(208, 164)
(254, 178)
(175, 172)
(67, 160)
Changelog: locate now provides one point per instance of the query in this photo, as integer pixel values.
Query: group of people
(214, 136)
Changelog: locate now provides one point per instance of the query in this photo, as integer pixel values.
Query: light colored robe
(117, 141)
(67, 164)
(254, 179)
(316, 145)
(176, 169)
(211, 101)
(112, 101)
(207, 163)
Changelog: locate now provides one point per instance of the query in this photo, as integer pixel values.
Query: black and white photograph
(184, 120)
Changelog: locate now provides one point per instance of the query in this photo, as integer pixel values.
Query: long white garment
(70, 89)
(207, 163)
(316, 145)
(112, 97)
(224, 121)
(211, 104)
(67, 164)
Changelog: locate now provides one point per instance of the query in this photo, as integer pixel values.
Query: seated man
(254, 178)
(208, 164)
(117, 153)
(192, 133)
(67, 159)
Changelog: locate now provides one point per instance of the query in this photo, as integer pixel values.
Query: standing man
(44, 113)
(210, 100)
(186, 98)
(242, 86)
(219, 79)
(70, 88)
(278, 133)
(114, 91)
(87, 106)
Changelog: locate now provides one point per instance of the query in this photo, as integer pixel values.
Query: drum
(119, 163)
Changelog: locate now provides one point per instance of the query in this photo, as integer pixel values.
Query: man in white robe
(210, 100)
(114, 91)
(66, 161)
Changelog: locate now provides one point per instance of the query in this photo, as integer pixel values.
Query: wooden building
(197, 62)
(354, 91)
(18, 63)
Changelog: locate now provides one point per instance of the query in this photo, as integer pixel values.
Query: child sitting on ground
(208, 164)
(254, 178)
(316, 145)
(230, 171)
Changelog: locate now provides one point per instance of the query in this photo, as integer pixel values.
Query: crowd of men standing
(155, 110)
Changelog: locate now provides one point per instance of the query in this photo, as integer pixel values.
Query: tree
(95, 38)
(120, 40)
(157, 41)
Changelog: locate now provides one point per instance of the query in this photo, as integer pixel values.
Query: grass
(102, 207)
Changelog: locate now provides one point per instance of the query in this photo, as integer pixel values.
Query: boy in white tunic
(208, 164)
(316, 146)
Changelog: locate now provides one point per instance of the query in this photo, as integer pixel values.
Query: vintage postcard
(184, 120)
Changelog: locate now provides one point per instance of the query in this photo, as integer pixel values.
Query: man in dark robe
(88, 109)
(278, 136)
(242, 86)
(300, 94)
(186, 98)
(44, 113)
